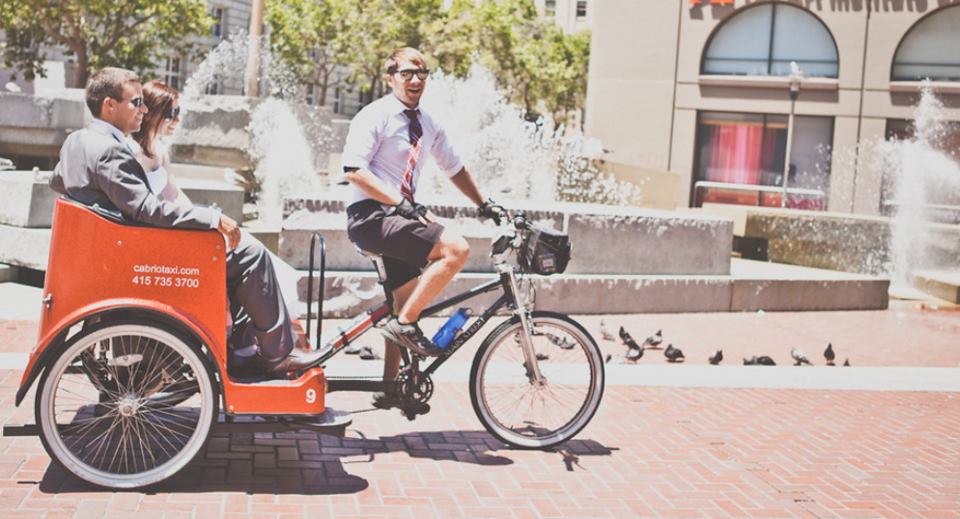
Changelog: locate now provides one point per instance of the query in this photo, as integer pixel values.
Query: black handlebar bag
(545, 251)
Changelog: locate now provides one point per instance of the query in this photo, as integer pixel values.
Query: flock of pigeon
(673, 354)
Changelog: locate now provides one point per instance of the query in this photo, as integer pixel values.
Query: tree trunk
(82, 74)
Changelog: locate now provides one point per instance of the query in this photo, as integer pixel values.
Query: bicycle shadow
(309, 463)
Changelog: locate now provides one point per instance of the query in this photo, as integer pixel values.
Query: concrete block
(228, 197)
(608, 240)
(304, 216)
(24, 247)
(8, 273)
(942, 284)
(26, 199)
(348, 293)
(759, 285)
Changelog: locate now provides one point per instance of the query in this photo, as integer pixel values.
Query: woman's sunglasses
(173, 113)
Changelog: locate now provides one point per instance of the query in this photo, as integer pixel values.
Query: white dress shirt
(379, 141)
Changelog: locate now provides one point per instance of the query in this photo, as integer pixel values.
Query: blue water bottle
(448, 331)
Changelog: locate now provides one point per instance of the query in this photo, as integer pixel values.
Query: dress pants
(256, 299)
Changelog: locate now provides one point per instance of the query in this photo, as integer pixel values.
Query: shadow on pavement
(309, 463)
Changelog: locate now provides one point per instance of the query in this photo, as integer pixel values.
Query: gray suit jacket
(95, 168)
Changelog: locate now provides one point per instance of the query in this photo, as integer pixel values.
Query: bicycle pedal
(412, 410)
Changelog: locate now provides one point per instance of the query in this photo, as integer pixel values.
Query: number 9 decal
(311, 396)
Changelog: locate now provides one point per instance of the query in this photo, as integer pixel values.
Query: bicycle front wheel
(518, 410)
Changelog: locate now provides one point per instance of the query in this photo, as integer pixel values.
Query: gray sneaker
(411, 337)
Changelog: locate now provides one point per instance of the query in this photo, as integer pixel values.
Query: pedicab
(133, 370)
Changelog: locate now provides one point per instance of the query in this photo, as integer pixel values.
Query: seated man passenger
(97, 167)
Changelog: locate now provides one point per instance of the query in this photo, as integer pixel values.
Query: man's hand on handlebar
(230, 230)
(414, 211)
(491, 209)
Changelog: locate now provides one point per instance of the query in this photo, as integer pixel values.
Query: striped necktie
(416, 132)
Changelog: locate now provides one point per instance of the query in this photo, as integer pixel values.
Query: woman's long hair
(159, 98)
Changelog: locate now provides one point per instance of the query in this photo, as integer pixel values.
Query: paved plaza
(878, 439)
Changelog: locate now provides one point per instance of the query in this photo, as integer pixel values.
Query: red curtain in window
(735, 151)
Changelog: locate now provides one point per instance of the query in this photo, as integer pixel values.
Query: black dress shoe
(296, 360)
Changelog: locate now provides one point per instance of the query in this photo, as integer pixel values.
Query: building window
(310, 97)
(219, 28)
(337, 102)
(763, 40)
(925, 51)
(550, 7)
(171, 72)
(938, 160)
(736, 151)
(581, 8)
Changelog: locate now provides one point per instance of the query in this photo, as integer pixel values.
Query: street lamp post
(795, 77)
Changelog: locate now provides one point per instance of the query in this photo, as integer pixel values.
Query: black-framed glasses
(408, 73)
(173, 113)
(137, 102)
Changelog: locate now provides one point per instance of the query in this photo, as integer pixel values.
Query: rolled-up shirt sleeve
(447, 159)
(362, 143)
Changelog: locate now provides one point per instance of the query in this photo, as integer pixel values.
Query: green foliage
(536, 64)
(133, 34)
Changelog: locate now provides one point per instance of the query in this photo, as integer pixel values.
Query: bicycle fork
(526, 338)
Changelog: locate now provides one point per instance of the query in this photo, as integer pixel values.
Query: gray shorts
(404, 244)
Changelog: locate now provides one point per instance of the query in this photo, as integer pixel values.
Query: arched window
(763, 40)
(931, 49)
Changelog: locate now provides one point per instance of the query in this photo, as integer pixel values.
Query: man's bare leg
(391, 351)
(448, 256)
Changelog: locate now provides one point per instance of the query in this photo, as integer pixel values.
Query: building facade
(741, 98)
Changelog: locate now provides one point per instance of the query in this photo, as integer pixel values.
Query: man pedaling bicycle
(382, 160)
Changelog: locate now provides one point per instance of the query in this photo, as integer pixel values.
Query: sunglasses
(172, 114)
(407, 74)
(137, 102)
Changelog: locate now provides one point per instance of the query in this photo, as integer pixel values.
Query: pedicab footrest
(303, 395)
(332, 421)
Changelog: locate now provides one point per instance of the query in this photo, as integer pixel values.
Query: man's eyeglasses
(408, 73)
(173, 113)
(137, 102)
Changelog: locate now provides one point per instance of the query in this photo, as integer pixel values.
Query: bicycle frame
(364, 322)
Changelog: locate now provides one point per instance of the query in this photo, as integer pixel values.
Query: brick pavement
(649, 452)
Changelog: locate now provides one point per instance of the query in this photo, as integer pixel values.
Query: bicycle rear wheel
(126, 405)
(521, 412)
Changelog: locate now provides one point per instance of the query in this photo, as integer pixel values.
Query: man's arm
(465, 183)
(120, 179)
(372, 186)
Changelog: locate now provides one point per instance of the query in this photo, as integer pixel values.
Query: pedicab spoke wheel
(537, 414)
(126, 405)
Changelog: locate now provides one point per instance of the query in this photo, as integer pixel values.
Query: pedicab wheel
(126, 405)
(529, 414)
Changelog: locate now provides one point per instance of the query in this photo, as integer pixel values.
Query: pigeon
(562, 342)
(542, 356)
(759, 361)
(628, 340)
(716, 357)
(799, 357)
(636, 356)
(604, 332)
(846, 363)
(673, 354)
(829, 355)
(654, 340)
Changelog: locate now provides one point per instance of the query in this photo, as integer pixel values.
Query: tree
(132, 34)
(303, 36)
